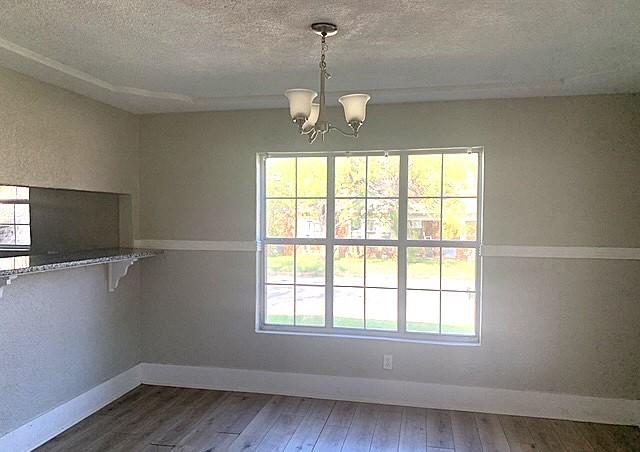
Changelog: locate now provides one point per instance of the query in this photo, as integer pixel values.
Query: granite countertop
(35, 263)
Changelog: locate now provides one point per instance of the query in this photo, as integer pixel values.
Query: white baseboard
(44, 427)
(393, 392)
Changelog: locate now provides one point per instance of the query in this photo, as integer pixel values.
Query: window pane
(383, 176)
(8, 192)
(22, 192)
(458, 313)
(309, 306)
(350, 176)
(348, 266)
(279, 263)
(460, 174)
(423, 311)
(348, 307)
(350, 214)
(312, 218)
(423, 268)
(281, 217)
(382, 219)
(424, 175)
(312, 177)
(423, 219)
(381, 309)
(23, 235)
(310, 264)
(459, 269)
(281, 177)
(13, 263)
(7, 213)
(7, 235)
(382, 266)
(279, 306)
(459, 219)
(22, 213)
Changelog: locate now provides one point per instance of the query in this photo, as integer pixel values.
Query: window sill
(467, 341)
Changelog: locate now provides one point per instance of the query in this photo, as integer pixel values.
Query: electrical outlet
(387, 362)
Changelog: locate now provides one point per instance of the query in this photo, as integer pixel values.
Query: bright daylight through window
(15, 229)
(382, 244)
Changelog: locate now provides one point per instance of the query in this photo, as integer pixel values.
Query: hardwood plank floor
(165, 419)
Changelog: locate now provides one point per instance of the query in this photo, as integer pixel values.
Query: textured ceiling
(189, 55)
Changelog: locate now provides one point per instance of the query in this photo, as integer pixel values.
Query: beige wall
(62, 333)
(558, 171)
(53, 138)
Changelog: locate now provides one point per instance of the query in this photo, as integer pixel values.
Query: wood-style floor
(162, 419)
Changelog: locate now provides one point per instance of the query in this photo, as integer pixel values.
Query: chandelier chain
(323, 62)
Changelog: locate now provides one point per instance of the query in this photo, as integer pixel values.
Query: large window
(381, 244)
(15, 229)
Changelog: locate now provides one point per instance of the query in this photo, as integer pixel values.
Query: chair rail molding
(561, 252)
(198, 245)
(527, 251)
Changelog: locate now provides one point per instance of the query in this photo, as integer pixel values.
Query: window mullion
(330, 228)
(295, 247)
(364, 248)
(479, 239)
(261, 258)
(402, 243)
(442, 239)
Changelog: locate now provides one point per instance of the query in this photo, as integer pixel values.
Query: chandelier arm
(347, 134)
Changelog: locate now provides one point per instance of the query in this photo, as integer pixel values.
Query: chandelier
(311, 117)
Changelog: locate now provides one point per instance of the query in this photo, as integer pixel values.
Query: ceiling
(193, 55)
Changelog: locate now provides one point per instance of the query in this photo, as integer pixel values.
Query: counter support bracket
(5, 281)
(117, 271)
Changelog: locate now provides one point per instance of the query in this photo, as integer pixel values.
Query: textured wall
(62, 333)
(558, 171)
(53, 138)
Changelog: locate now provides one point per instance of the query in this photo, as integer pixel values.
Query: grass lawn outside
(383, 325)
(353, 267)
(458, 309)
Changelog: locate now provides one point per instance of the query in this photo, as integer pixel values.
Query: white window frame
(402, 243)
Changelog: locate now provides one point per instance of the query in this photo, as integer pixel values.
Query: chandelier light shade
(300, 102)
(311, 117)
(355, 107)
